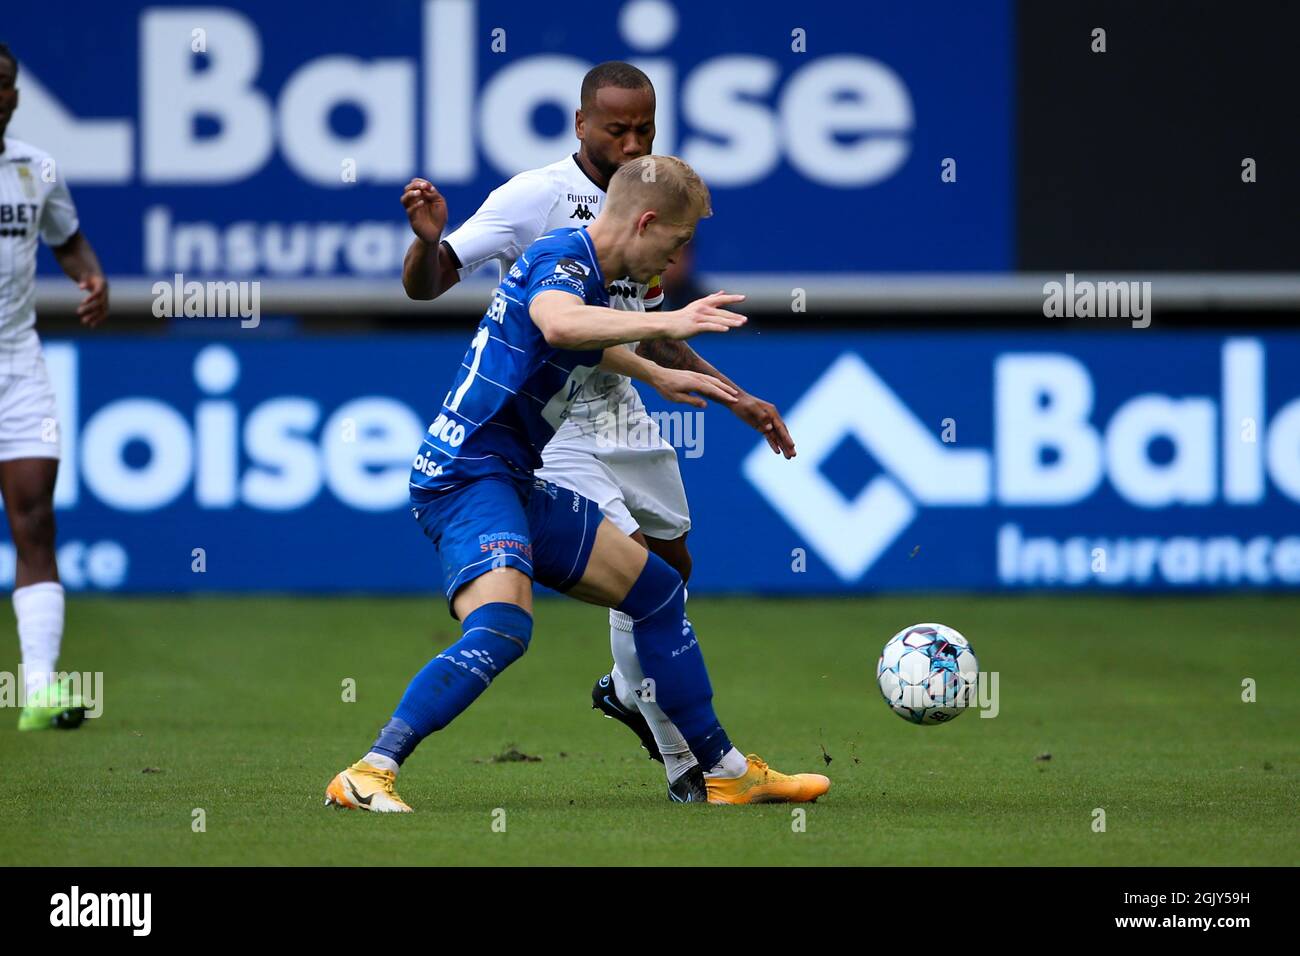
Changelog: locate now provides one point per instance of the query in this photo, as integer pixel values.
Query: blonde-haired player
(497, 528)
(628, 470)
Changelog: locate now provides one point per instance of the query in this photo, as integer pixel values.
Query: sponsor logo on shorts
(505, 542)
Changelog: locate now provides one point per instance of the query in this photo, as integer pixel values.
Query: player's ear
(647, 217)
(577, 123)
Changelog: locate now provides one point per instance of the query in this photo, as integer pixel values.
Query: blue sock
(491, 639)
(670, 656)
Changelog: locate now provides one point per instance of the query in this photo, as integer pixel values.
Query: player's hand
(764, 417)
(708, 314)
(426, 209)
(94, 307)
(678, 385)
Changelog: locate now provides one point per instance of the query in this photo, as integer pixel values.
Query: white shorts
(637, 486)
(29, 417)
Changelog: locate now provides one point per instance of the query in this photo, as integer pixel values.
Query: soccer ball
(927, 673)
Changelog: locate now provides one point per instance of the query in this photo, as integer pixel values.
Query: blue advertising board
(1125, 460)
(272, 140)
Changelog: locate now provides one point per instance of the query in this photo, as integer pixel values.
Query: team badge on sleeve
(570, 275)
(573, 267)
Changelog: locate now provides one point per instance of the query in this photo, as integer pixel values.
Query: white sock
(380, 761)
(733, 764)
(627, 669)
(39, 609)
(623, 649)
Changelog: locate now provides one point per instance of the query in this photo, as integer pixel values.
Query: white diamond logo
(850, 399)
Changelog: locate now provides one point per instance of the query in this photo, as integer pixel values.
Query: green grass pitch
(234, 706)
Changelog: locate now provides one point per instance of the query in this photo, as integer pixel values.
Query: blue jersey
(513, 390)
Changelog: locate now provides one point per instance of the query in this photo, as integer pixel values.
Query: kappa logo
(622, 289)
(851, 535)
(583, 212)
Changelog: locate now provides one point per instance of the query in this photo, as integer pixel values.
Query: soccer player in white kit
(34, 200)
(628, 469)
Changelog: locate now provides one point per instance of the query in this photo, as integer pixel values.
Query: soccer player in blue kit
(497, 528)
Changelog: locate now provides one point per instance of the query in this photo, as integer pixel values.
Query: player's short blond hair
(662, 183)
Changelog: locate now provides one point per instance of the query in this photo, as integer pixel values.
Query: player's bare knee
(500, 585)
(615, 563)
(32, 524)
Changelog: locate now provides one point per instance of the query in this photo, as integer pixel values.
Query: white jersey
(33, 200)
(517, 214)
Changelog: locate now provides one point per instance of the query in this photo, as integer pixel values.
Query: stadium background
(281, 451)
(898, 300)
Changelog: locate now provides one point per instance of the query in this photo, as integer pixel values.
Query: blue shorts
(541, 529)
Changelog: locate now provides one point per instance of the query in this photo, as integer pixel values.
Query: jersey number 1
(479, 343)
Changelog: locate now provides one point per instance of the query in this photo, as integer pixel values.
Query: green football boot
(53, 707)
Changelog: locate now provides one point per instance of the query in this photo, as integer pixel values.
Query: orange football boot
(363, 787)
(761, 784)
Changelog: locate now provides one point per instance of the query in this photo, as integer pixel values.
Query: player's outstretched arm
(758, 414)
(427, 269)
(77, 259)
(568, 323)
(675, 385)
